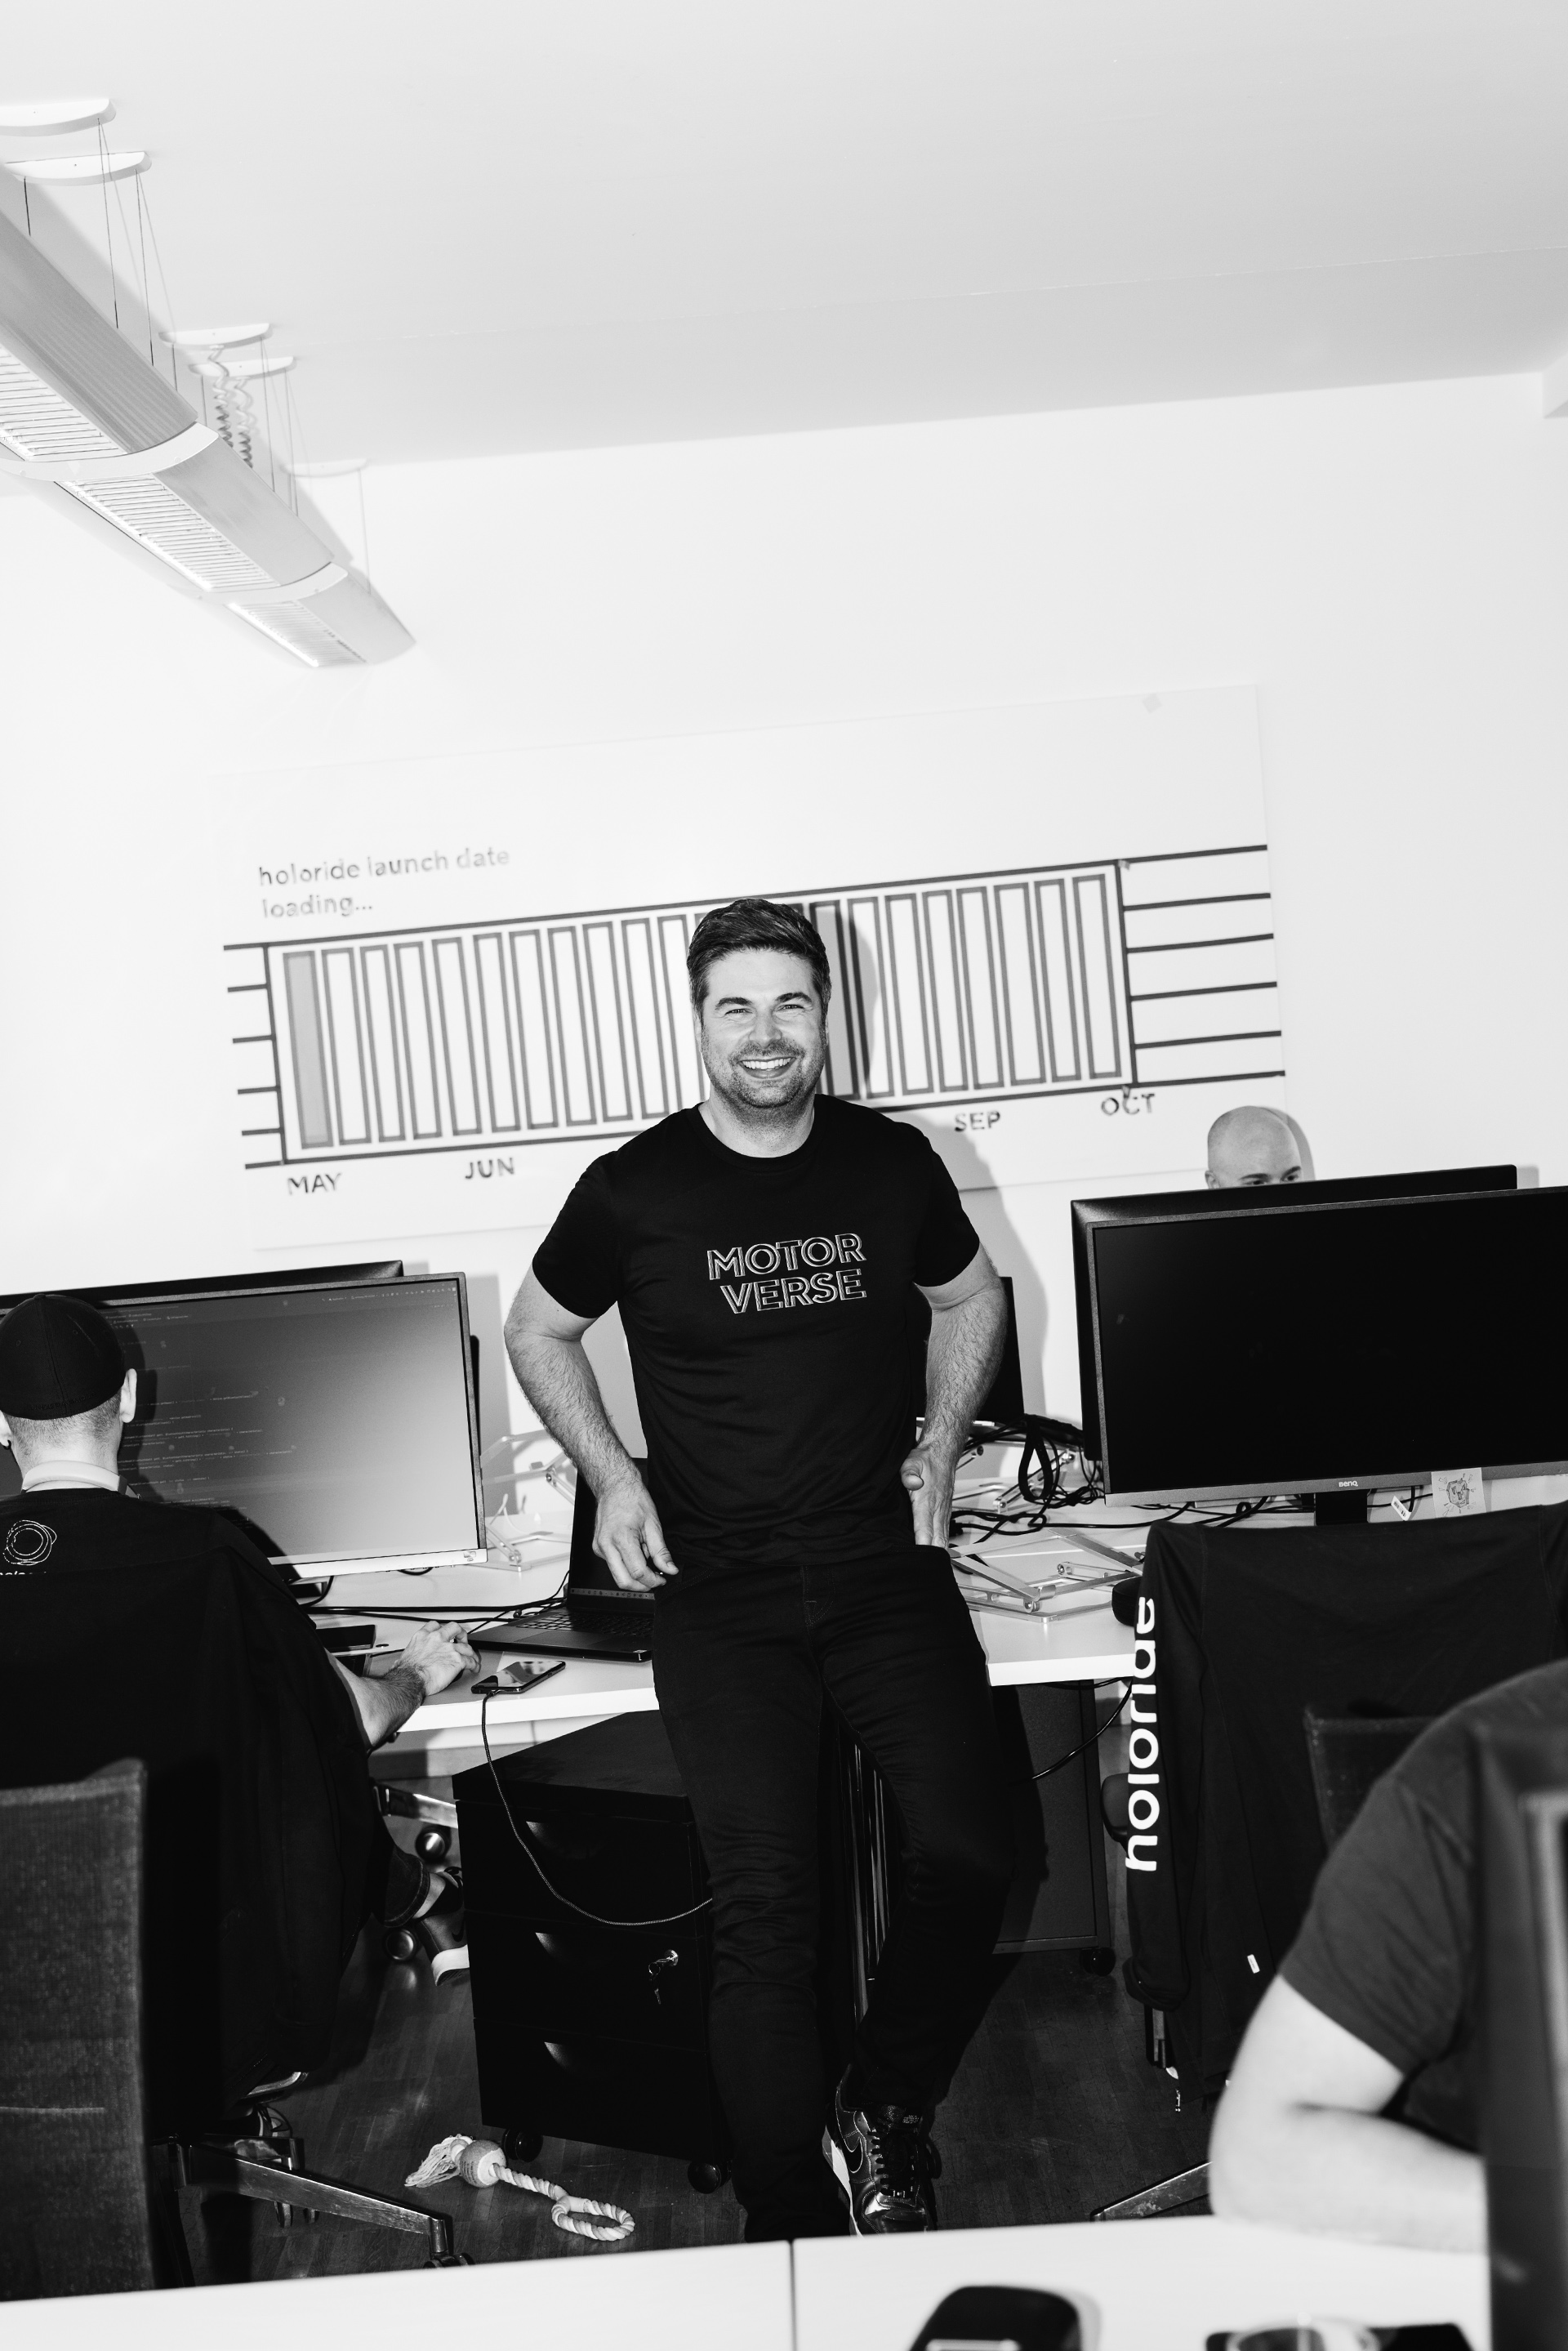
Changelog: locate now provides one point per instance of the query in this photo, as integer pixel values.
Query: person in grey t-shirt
(1352, 2106)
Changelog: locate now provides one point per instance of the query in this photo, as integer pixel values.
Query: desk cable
(1073, 1754)
(674, 1918)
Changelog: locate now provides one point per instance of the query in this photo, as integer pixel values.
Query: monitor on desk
(1137, 1207)
(383, 1269)
(1001, 1406)
(337, 1418)
(1329, 1347)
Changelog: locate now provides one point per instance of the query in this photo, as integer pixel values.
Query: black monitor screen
(339, 1421)
(1266, 1350)
(1133, 1208)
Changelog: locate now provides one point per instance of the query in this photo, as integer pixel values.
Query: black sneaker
(886, 2164)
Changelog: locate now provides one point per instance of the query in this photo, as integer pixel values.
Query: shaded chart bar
(970, 987)
(307, 1050)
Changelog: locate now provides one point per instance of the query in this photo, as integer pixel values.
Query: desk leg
(871, 1853)
(1060, 1900)
(858, 1846)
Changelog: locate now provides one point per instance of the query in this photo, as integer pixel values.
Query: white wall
(1387, 566)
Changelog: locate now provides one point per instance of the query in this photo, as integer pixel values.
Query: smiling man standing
(761, 1249)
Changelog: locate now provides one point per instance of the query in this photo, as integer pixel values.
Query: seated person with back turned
(161, 1630)
(1250, 1146)
(1354, 2104)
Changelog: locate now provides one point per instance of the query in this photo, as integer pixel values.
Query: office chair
(1348, 1753)
(89, 2207)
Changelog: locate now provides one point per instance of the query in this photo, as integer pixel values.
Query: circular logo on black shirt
(28, 1542)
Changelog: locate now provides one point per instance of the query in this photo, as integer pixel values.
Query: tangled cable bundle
(482, 2163)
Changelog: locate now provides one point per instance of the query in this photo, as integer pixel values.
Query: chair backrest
(260, 1824)
(75, 2216)
(1348, 1753)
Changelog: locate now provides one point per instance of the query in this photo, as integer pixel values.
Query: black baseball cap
(57, 1357)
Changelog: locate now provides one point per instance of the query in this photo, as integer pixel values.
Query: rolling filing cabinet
(1059, 1900)
(598, 2032)
(586, 2030)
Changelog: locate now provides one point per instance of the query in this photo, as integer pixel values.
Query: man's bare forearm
(961, 1357)
(1350, 2175)
(383, 1701)
(558, 1380)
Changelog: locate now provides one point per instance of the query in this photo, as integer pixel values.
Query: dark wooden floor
(1054, 2111)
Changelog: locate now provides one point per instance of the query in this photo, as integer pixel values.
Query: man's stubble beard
(770, 1107)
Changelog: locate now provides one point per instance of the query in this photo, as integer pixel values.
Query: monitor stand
(1340, 1509)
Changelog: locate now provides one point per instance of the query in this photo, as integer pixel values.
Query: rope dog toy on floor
(482, 2163)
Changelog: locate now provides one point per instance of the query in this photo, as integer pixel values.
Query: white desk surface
(701, 2298)
(1142, 2285)
(1087, 1646)
(1148, 2285)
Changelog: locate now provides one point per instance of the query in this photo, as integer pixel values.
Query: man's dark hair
(755, 922)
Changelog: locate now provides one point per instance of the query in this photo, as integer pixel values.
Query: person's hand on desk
(434, 1657)
(627, 1536)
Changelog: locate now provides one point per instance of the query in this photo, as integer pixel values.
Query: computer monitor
(1136, 1208)
(384, 1269)
(1001, 1406)
(1521, 1788)
(337, 1418)
(1329, 1347)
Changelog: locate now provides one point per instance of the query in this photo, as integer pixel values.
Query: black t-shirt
(1387, 1949)
(65, 1527)
(764, 1305)
(142, 1628)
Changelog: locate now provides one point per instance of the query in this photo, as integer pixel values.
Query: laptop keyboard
(611, 1628)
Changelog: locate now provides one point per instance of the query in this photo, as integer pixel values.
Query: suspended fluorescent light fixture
(80, 171)
(84, 417)
(57, 114)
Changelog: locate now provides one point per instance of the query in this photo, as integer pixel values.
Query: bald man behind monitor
(1250, 1146)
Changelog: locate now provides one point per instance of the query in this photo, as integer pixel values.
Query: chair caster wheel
(707, 2178)
(432, 1845)
(521, 2147)
(401, 1943)
(1100, 1961)
(449, 2261)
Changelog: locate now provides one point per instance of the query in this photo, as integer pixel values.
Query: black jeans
(742, 1662)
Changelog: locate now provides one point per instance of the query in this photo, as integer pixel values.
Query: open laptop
(596, 1618)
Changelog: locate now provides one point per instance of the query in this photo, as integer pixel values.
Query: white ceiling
(504, 226)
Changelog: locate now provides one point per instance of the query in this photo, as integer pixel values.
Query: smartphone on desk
(520, 1674)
